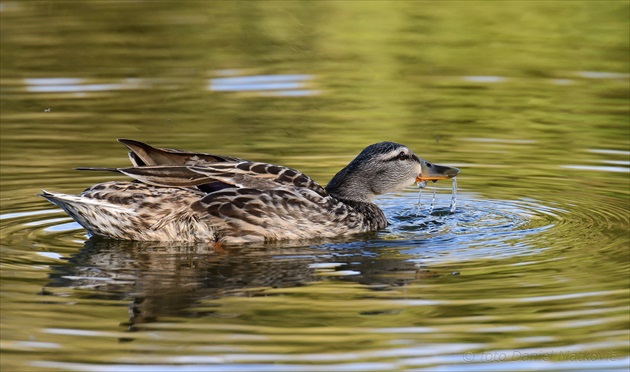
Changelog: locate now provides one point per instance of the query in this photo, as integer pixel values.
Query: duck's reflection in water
(167, 280)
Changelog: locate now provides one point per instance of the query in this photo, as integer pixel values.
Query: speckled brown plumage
(185, 196)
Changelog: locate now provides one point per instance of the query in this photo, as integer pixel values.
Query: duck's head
(384, 167)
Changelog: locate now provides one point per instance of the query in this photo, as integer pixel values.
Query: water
(453, 205)
(432, 200)
(423, 184)
(528, 99)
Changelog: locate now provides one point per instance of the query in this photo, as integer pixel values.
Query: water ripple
(480, 227)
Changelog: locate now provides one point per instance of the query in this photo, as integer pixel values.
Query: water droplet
(421, 185)
(453, 196)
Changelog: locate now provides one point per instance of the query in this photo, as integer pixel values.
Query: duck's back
(138, 211)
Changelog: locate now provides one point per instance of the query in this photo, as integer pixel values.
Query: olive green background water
(530, 99)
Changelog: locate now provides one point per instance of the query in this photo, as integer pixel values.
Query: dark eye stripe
(401, 156)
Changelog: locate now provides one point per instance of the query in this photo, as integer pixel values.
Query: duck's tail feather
(90, 213)
(100, 169)
(134, 211)
(142, 154)
(170, 176)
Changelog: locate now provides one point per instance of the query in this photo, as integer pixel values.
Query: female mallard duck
(187, 196)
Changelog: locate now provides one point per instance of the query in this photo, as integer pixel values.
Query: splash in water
(452, 207)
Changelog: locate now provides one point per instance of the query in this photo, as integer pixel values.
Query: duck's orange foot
(217, 247)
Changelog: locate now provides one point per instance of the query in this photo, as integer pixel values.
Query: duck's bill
(434, 172)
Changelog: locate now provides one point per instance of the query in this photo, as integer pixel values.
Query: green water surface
(530, 99)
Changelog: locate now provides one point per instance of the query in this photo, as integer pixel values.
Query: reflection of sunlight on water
(605, 168)
(75, 85)
(498, 140)
(562, 81)
(52, 81)
(27, 214)
(266, 85)
(484, 79)
(602, 75)
(612, 165)
(70, 226)
(611, 152)
(597, 168)
(592, 75)
(53, 255)
(280, 85)
(290, 85)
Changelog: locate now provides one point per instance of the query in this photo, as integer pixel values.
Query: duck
(182, 196)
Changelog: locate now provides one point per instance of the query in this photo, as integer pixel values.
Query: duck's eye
(403, 156)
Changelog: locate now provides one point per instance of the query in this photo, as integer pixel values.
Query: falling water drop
(453, 196)
(421, 185)
(432, 199)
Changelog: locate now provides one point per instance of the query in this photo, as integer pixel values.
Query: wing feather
(175, 176)
(142, 154)
(175, 168)
(259, 175)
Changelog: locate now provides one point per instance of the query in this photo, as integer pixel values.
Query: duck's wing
(242, 174)
(207, 172)
(142, 154)
(258, 175)
(215, 176)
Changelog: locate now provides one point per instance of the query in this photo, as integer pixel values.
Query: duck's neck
(371, 216)
(351, 189)
(346, 186)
